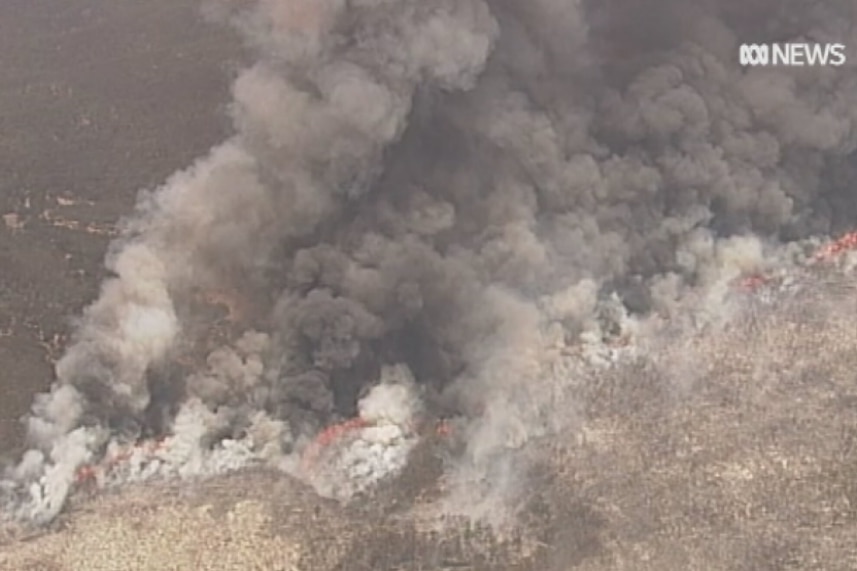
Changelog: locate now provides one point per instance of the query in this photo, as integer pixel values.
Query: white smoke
(477, 196)
(368, 454)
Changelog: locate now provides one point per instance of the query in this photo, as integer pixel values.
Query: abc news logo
(792, 54)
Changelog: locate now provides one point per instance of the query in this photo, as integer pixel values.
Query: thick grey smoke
(462, 189)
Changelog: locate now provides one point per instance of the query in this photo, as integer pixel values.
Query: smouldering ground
(98, 99)
(732, 449)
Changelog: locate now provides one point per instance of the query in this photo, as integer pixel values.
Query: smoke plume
(443, 197)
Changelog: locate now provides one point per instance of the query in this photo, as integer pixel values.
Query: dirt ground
(98, 99)
(732, 451)
(729, 451)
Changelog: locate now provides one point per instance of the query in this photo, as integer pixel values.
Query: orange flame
(833, 249)
(327, 437)
(85, 474)
(753, 282)
(88, 473)
(444, 428)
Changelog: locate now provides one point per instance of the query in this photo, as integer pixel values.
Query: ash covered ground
(750, 465)
(98, 100)
(513, 286)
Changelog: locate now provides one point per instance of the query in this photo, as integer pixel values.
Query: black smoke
(456, 186)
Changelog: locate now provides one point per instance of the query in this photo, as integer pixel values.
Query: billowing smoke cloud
(460, 190)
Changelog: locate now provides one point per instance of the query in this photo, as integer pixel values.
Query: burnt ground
(726, 450)
(98, 99)
(729, 451)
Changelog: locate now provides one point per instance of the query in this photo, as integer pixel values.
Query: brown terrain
(97, 101)
(732, 450)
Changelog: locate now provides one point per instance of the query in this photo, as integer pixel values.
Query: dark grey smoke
(457, 186)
